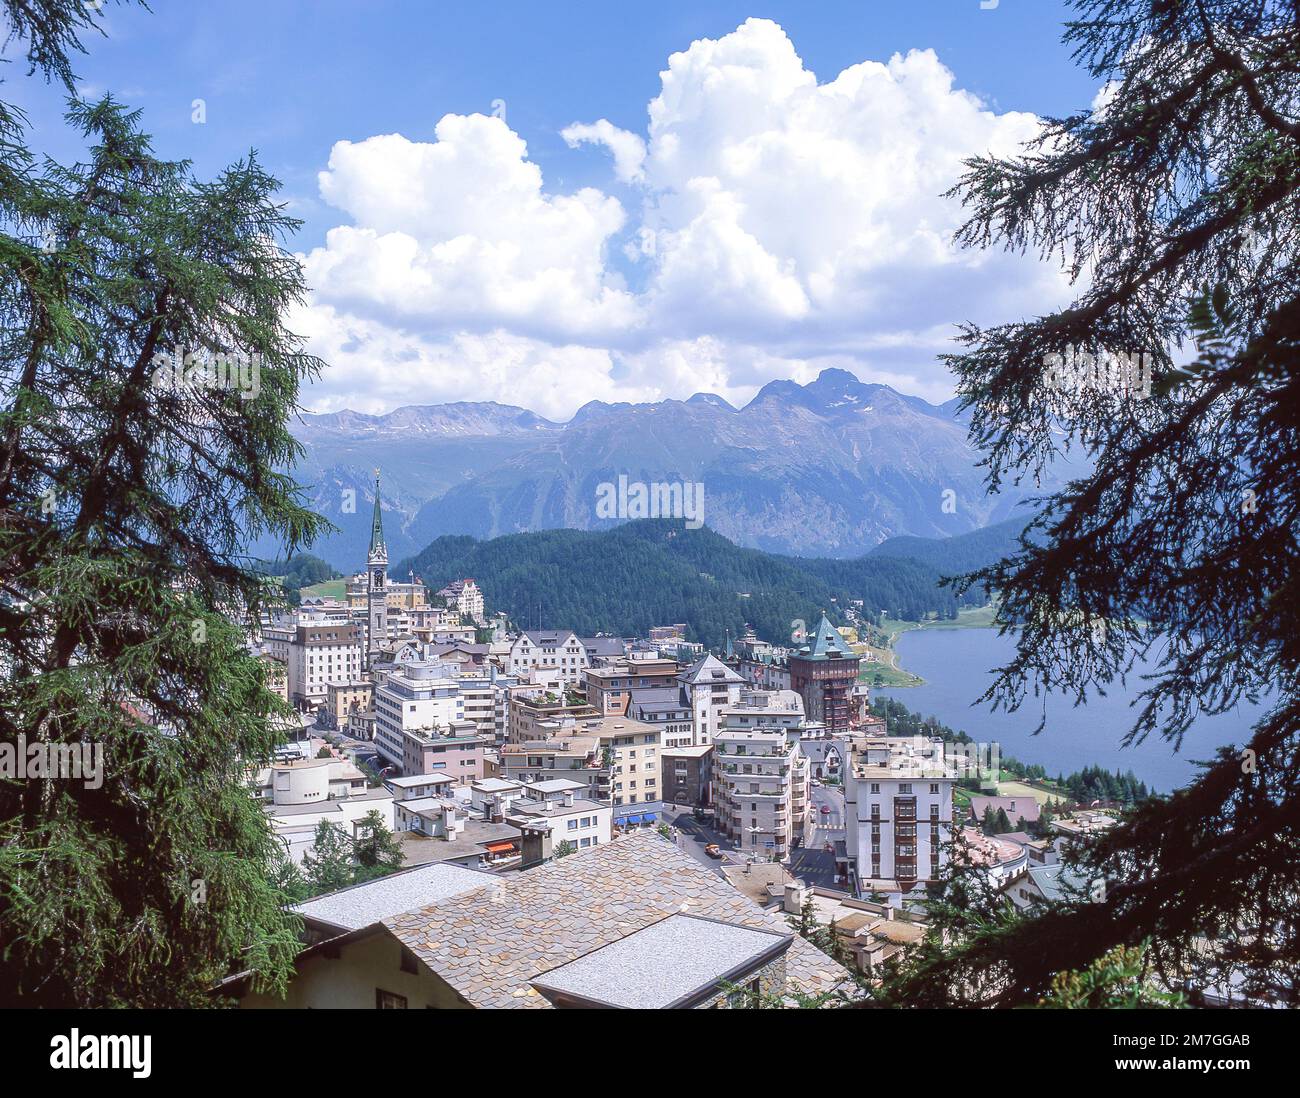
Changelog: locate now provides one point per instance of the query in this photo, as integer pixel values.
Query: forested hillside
(655, 572)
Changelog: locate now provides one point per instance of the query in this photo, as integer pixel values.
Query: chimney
(568, 798)
(794, 897)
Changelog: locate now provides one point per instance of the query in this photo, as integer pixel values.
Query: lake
(956, 666)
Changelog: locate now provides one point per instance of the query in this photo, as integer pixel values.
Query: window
(934, 788)
(408, 963)
(573, 825)
(875, 787)
(905, 787)
(386, 1000)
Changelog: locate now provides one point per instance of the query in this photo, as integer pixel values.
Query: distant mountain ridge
(828, 469)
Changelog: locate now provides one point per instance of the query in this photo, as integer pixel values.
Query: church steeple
(378, 551)
(376, 584)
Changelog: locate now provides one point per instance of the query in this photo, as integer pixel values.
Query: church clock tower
(376, 585)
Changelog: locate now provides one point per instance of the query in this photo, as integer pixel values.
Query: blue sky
(732, 255)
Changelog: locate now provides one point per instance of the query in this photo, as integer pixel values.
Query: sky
(545, 204)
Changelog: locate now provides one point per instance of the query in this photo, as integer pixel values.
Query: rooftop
(555, 785)
(364, 904)
(490, 945)
(419, 850)
(710, 671)
(631, 972)
(414, 781)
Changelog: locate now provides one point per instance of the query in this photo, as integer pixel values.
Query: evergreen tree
(1180, 197)
(288, 877)
(989, 824)
(376, 850)
(124, 509)
(328, 866)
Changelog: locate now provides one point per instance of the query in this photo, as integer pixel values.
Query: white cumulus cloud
(776, 225)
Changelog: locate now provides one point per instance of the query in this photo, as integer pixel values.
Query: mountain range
(827, 469)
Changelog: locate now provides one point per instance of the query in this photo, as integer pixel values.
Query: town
(703, 802)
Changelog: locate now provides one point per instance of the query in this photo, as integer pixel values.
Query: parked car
(826, 810)
(713, 850)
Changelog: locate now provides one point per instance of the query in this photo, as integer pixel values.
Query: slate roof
(490, 945)
(365, 904)
(826, 641)
(1058, 882)
(631, 972)
(709, 669)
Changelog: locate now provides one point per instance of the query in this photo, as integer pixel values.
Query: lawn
(329, 589)
(1020, 789)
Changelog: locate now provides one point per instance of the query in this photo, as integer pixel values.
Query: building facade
(376, 580)
(824, 674)
(899, 816)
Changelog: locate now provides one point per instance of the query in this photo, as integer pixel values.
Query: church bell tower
(376, 584)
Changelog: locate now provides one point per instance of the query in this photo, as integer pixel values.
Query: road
(695, 835)
(810, 862)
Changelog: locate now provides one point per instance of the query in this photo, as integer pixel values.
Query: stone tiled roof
(490, 944)
(364, 904)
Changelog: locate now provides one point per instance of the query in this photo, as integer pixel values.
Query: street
(810, 862)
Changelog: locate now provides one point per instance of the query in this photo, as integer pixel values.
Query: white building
(465, 596)
(420, 713)
(559, 807)
(317, 649)
(898, 808)
(298, 793)
(555, 650)
(711, 686)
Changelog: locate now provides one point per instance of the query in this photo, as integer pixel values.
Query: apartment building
(420, 724)
(710, 686)
(898, 808)
(400, 597)
(609, 687)
(685, 775)
(531, 707)
(615, 756)
(556, 812)
(548, 649)
(668, 707)
(316, 654)
(277, 675)
(343, 699)
(574, 758)
(755, 771)
(779, 710)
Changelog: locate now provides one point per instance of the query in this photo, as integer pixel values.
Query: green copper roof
(377, 524)
(828, 640)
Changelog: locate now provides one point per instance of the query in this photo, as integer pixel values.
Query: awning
(649, 818)
(500, 847)
(628, 820)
